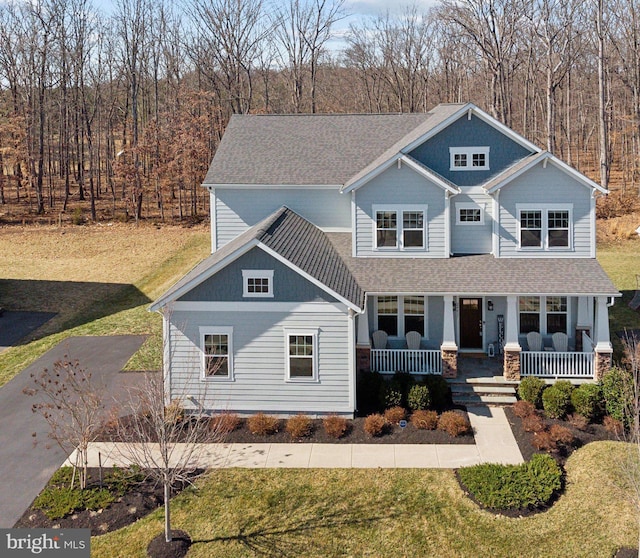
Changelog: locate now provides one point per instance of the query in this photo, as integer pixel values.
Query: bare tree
(70, 402)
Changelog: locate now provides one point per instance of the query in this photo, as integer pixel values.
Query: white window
(301, 355)
(257, 283)
(398, 315)
(217, 353)
(544, 227)
(469, 214)
(400, 227)
(469, 158)
(546, 315)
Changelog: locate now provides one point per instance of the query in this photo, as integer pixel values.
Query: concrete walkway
(495, 443)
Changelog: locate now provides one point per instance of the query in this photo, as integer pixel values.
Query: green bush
(439, 391)
(616, 392)
(507, 487)
(370, 386)
(419, 398)
(391, 395)
(530, 389)
(587, 401)
(403, 382)
(556, 399)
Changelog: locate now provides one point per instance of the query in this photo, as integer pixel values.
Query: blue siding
(434, 153)
(226, 285)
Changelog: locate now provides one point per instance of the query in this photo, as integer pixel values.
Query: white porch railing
(546, 364)
(405, 360)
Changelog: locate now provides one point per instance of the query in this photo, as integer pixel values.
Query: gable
(469, 132)
(227, 284)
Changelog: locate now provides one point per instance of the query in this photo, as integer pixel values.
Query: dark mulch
(626, 552)
(144, 498)
(593, 433)
(176, 548)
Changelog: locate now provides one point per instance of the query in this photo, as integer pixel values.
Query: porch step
(475, 399)
(491, 390)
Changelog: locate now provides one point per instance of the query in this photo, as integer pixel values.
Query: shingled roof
(314, 149)
(293, 238)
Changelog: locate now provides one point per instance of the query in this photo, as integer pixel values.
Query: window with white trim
(217, 353)
(301, 351)
(546, 315)
(544, 228)
(469, 214)
(469, 158)
(400, 227)
(257, 283)
(398, 315)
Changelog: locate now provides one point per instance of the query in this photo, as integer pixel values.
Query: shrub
(523, 409)
(616, 392)
(543, 441)
(263, 425)
(224, 423)
(561, 435)
(556, 399)
(587, 401)
(299, 426)
(530, 389)
(453, 423)
(578, 421)
(613, 425)
(174, 412)
(403, 382)
(439, 390)
(419, 397)
(335, 426)
(424, 420)
(370, 391)
(375, 424)
(391, 395)
(76, 216)
(395, 414)
(527, 486)
(533, 423)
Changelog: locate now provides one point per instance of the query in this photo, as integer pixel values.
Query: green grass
(327, 513)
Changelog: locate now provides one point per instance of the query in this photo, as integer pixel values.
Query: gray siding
(259, 362)
(237, 210)
(434, 153)
(471, 238)
(227, 284)
(545, 186)
(401, 186)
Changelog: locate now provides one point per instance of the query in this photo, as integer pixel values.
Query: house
(329, 229)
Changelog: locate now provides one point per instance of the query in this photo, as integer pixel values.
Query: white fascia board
(371, 174)
(210, 272)
(428, 175)
(464, 110)
(308, 277)
(274, 186)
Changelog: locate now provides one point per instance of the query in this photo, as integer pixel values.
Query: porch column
(584, 321)
(603, 348)
(449, 347)
(512, 348)
(363, 344)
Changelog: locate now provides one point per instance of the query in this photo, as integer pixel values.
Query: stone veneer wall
(512, 365)
(449, 363)
(602, 365)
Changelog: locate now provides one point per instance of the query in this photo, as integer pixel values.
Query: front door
(471, 323)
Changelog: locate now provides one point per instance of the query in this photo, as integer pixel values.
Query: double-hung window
(301, 355)
(469, 158)
(400, 228)
(257, 283)
(544, 228)
(546, 315)
(217, 353)
(398, 315)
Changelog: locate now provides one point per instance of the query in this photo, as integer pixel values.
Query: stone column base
(602, 364)
(449, 363)
(363, 358)
(512, 365)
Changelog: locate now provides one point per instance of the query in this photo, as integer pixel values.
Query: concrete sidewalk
(495, 443)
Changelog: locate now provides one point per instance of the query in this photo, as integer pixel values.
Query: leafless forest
(117, 115)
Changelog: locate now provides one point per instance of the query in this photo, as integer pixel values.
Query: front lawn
(388, 513)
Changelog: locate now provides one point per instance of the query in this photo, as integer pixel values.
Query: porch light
(490, 305)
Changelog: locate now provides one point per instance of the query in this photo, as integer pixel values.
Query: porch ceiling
(481, 274)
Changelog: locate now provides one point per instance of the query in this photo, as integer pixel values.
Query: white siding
(259, 362)
(472, 238)
(400, 186)
(545, 186)
(237, 210)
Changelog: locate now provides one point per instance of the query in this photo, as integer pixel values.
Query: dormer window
(257, 283)
(469, 158)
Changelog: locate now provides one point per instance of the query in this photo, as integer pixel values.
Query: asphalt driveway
(25, 467)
